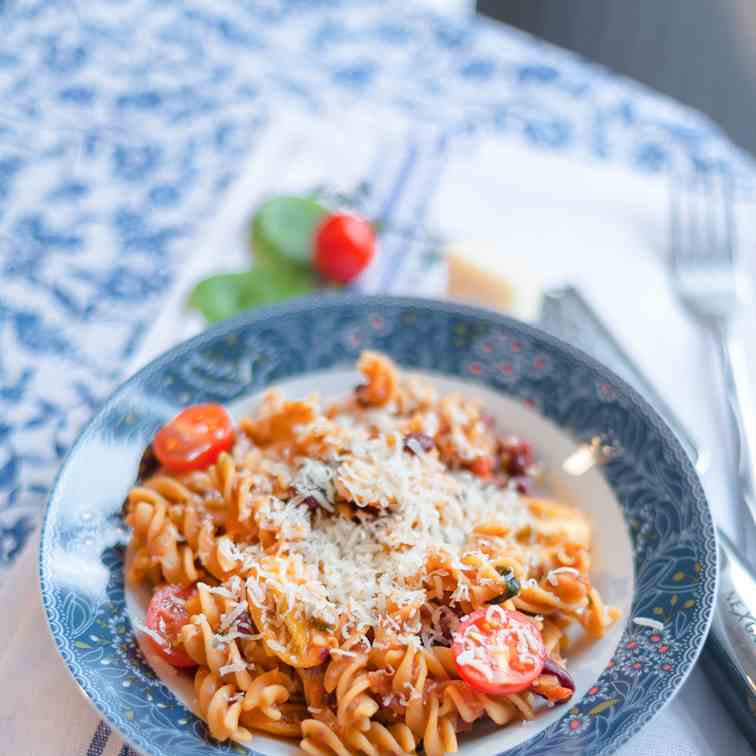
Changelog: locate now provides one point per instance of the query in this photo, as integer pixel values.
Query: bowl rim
(313, 302)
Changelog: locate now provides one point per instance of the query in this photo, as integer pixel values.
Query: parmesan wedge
(483, 275)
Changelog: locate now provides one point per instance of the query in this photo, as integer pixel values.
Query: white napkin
(601, 228)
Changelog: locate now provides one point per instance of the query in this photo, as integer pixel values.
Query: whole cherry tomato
(344, 245)
(194, 438)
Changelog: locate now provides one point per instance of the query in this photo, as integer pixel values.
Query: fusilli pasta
(331, 572)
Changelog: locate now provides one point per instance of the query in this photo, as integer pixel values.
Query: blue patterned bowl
(671, 548)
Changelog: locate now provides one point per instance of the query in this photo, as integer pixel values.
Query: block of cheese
(482, 275)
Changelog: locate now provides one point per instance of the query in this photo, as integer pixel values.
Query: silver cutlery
(730, 652)
(710, 285)
(567, 314)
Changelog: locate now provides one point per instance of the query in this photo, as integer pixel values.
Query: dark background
(702, 52)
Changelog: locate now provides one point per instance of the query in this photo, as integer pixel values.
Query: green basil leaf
(227, 294)
(283, 229)
(511, 586)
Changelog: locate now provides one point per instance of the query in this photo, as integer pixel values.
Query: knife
(729, 655)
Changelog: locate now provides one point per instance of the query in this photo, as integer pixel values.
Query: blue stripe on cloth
(386, 208)
(99, 740)
(408, 164)
(127, 751)
(441, 154)
(373, 177)
(389, 211)
(402, 248)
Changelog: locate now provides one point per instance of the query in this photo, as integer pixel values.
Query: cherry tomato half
(344, 245)
(194, 438)
(166, 615)
(498, 651)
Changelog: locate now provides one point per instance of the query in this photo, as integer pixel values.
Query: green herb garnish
(283, 230)
(511, 586)
(228, 294)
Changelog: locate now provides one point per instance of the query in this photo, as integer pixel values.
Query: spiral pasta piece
(157, 545)
(265, 691)
(347, 677)
(470, 705)
(597, 617)
(397, 740)
(320, 740)
(220, 706)
(438, 732)
(287, 725)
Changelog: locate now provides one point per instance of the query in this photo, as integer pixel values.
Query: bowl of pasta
(375, 525)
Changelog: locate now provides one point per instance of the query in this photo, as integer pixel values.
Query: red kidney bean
(550, 667)
(522, 485)
(245, 625)
(311, 503)
(516, 456)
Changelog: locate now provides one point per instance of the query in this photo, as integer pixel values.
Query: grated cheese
(229, 617)
(239, 666)
(495, 613)
(390, 528)
(648, 622)
(551, 577)
(275, 646)
(414, 445)
(228, 549)
(155, 636)
(358, 568)
(220, 590)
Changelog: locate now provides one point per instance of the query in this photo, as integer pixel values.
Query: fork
(710, 285)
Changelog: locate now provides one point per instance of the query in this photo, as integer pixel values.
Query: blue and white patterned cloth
(123, 122)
